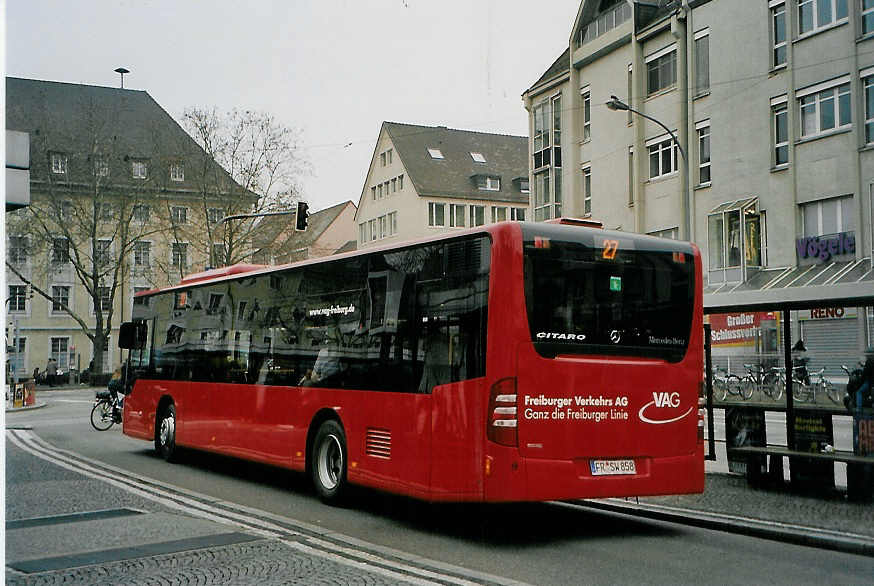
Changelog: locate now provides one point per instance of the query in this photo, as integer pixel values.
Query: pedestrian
(51, 371)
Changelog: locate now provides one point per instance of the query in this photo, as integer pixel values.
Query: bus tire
(328, 459)
(165, 433)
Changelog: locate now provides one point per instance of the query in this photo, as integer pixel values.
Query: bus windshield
(604, 292)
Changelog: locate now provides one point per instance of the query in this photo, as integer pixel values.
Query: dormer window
(59, 163)
(177, 171)
(488, 182)
(435, 153)
(139, 169)
(477, 157)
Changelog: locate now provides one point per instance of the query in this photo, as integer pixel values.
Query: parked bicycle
(818, 383)
(106, 410)
(726, 383)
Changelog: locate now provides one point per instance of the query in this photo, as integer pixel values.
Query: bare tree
(81, 226)
(261, 167)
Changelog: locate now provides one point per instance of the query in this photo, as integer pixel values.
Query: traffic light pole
(301, 214)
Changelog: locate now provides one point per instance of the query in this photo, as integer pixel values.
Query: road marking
(340, 548)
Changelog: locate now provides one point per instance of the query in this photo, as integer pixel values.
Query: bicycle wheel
(831, 392)
(800, 391)
(745, 388)
(101, 416)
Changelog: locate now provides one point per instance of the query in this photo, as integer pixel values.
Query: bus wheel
(329, 462)
(165, 434)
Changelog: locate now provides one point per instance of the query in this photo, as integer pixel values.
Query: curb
(775, 531)
(37, 405)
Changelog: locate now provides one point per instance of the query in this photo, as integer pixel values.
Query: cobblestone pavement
(264, 562)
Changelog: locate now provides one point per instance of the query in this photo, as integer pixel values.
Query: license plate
(611, 467)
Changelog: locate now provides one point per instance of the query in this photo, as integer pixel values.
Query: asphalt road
(547, 543)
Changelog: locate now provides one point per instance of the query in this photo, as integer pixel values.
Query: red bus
(512, 362)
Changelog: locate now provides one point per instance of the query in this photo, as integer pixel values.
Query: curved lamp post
(617, 104)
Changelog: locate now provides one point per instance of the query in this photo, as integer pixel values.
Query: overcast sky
(334, 68)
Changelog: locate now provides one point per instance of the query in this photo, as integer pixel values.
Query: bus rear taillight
(702, 412)
(502, 413)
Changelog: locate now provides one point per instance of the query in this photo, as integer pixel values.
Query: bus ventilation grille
(378, 443)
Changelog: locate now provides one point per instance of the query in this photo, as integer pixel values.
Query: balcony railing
(603, 23)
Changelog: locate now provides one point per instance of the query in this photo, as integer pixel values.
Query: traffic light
(301, 219)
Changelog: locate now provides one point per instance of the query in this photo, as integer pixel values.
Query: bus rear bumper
(573, 479)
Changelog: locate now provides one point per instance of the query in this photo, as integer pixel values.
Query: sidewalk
(729, 503)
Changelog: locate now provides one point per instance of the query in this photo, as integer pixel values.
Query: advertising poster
(744, 426)
(738, 329)
(813, 432)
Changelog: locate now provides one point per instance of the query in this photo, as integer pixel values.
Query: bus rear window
(601, 292)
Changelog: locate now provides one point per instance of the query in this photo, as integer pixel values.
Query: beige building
(424, 180)
(772, 170)
(122, 199)
(328, 231)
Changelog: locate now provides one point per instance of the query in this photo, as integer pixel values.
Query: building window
(383, 228)
(394, 185)
(141, 213)
(867, 17)
(16, 356)
(179, 215)
(816, 14)
(435, 153)
(477, 216)
(456, 215)
(392, 223)
(499, 214)
(672, 233)
(661, 70)
(16, 250)
(586, 98)
(542, 137)
(825, 110)
(780, 116)
(488, 183)
(868, 82)
(362, 232)
(177, 171)
(524, 185)
(59, 352)
(517, 214)
(101, 167)
(102, 252)
(214, 215)
(400, 182)
(60, 250)
(477, 157)
(17, 298)
(104, 298)
(371, 229)
(703, 152)
(662, 157)
(373, 192)
(382, 159)
(702, 62)
(59, 163)
(436, 214)
(379, 191)
(587, 190)
(218, 254)
(179, 255)
(545, 207)
(828, 216)
(142, 253)
(389, 156)
(139, 169)
(735, 235)
(630, 176)
(60, 298)
(778, 34)
(613, 16)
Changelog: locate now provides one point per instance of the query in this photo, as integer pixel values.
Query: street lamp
(617, 104)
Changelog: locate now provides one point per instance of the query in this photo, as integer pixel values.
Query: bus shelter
(816, 322)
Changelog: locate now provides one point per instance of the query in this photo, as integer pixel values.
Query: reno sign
(820, 249)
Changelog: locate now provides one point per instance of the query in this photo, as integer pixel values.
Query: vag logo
(664, 403)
